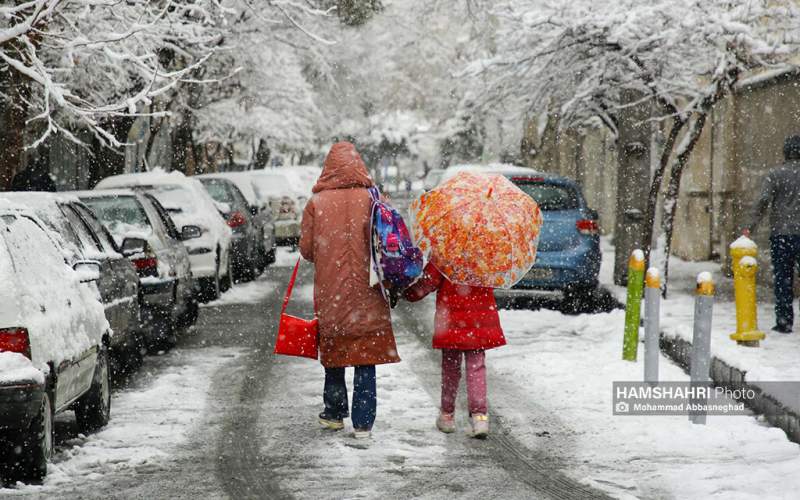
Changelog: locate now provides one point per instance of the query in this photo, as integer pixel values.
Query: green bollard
(630, 344)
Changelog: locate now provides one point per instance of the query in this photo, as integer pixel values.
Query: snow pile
(252, 292)
(704, 277)
(748, 261)
(743, 242)
(15, 367)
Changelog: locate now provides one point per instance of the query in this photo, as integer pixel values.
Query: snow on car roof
(103, 193)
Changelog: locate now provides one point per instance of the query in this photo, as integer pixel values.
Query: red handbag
(296, 336)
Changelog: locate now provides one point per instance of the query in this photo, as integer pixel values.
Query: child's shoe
(480, 425)
(328, 422)
(446, 422)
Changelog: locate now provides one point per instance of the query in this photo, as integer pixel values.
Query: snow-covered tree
(68, 64)
(583, 59)
(402, 63)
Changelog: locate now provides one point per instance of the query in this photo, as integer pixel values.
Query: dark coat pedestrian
(780, 194)
(34, 178)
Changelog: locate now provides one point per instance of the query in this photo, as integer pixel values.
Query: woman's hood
(343, 169)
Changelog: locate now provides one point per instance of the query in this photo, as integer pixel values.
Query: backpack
(396, 260)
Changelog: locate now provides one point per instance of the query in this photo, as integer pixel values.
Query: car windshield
(550, 196)
(175, 199)
(118, 211)
(218, 191)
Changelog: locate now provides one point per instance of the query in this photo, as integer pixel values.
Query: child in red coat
(466, 322)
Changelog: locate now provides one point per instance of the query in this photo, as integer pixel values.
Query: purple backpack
(398, 262)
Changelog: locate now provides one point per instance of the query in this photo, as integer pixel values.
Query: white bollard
(701, 341)
(652, 312)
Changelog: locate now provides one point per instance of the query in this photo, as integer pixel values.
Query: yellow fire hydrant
(745, 267)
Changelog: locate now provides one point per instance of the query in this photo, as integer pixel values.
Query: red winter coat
(466, 316)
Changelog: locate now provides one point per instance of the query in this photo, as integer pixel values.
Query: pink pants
(476, 380)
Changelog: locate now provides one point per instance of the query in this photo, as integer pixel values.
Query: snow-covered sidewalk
(568, 364)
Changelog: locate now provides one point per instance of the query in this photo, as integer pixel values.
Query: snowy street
(222, 417)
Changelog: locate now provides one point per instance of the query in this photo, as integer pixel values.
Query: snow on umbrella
(478, 229)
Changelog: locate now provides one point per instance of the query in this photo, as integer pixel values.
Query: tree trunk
(655, 186)
(632, 183)
(674, 187)
(12, 133)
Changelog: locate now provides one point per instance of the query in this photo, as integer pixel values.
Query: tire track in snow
(535, 468)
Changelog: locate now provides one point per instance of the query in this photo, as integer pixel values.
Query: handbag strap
(290, 287)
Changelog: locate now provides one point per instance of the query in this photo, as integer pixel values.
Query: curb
(723, 375)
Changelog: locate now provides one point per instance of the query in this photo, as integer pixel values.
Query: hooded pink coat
(355, 325)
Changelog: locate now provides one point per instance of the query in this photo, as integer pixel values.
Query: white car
(54, 341)
(287, 197)
(189, 204)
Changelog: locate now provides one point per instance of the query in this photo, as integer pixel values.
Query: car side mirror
(254, 210)
(593, 214)
(88, 270)
(132, 246)
(190, 232)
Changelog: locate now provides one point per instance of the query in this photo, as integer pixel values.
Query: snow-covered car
(286, 197)
(240, 218)
(147, 236)
(261, 211)
(53, 342)
(85, 238)
(306, 175)
(189, 204)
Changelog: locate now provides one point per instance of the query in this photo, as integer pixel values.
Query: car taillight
(236, 219)
(15, 340)
(587, 226)
(146, 264)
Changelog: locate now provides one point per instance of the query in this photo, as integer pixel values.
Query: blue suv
(569, 255)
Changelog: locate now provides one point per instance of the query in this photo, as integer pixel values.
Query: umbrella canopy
(478, 229)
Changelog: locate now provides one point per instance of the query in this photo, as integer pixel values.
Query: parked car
(85, 238)
(54, 341)
(568, 257)
(261, 211)
(240, 218)
(144, 231)
(287, 199)
(189, 204)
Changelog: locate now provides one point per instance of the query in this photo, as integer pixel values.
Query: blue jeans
(364, 396)
(785, 251)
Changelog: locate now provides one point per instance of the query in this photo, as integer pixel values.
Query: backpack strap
(376, 195)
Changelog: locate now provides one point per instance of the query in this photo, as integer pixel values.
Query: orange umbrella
(478, 229)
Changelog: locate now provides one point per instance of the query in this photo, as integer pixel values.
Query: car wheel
(579, 299)
(93, 409)
(271, 257)
(36, 446)
(192, 312)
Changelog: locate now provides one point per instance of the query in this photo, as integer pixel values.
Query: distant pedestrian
(36, 177)
(780, 192)
(355, 327)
